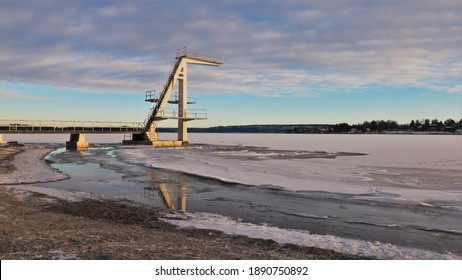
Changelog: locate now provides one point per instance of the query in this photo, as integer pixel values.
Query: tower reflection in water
(162, 191)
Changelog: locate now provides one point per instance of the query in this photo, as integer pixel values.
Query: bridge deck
(68, 127)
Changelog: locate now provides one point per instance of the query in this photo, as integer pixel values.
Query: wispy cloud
(455, 89)
(279, 48)
(18, 95)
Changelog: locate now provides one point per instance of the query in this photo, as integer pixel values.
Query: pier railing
(56, 126)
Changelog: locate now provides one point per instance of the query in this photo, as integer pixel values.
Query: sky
(285, 62)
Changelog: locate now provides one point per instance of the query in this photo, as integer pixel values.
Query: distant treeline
(375, 126)
(425, 125)
(257, 128)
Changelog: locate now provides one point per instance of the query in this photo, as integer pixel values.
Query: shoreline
(40, 223)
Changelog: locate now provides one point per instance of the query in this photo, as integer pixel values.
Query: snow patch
(31, 168)
(61, 255)
(304, 238)
(55, 193)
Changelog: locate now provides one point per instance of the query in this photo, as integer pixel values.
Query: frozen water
(350, 193)
(415, 168)
(406, 186)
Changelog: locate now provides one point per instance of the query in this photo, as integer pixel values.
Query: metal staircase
(159, 102)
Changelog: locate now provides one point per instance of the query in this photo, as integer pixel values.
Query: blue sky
(293, 61)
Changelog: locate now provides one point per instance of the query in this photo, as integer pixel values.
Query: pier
(140, 133)
(76, 129)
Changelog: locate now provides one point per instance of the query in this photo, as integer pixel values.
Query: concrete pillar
(1, 139)
(183, 104)
(77, 142)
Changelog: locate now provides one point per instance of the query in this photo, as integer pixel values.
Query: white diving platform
(159, 99)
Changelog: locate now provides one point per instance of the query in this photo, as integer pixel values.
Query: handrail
(176, 98)
(155, 109)
(186, 114)
(56, 126)
(152, 95)
(181, 52)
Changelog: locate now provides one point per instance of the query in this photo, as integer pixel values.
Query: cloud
(455, 89)
(299, 48)
(18, 95)
(115, 11)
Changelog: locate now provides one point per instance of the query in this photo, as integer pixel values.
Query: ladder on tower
(159, 100)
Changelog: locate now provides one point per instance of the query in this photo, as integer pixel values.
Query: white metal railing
(152, 95)
(172, 113)
(218, 58)
(176, 98)
(56, 126)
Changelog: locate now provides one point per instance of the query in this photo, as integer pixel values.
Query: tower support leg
(183, 131)
(77, 142)
(183, 105)
(181, 199)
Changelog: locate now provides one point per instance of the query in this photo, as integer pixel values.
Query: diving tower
(159, 111)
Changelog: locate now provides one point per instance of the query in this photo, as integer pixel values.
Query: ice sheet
(413, 168)
(433, 151)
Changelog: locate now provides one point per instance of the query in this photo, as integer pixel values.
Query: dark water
(100, 171)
